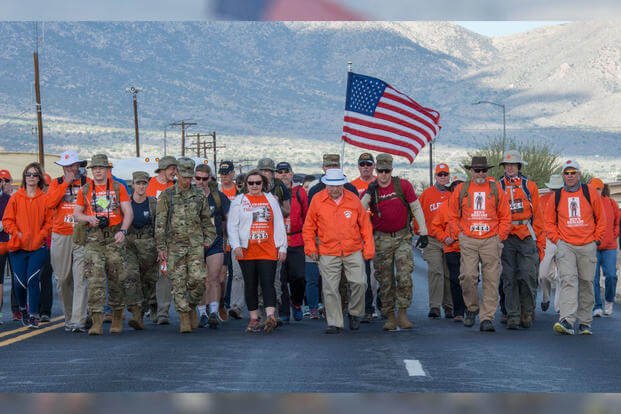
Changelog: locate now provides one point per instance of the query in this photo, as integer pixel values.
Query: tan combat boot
(117, 321)
(185, 325)
(96, 328)
(404, 322)
(391, 322)
(193, 317)
(136, 320)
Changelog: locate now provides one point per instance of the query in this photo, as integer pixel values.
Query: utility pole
(213, 145)
(134, 91)
(183, 124)
(38, 97)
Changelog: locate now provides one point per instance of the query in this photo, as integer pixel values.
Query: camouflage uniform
(183, 233)
(394, 252)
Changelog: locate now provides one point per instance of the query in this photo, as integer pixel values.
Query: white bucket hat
(556, 182)
(512, 157)
(334, 176)
(458, 177)
(70, 157)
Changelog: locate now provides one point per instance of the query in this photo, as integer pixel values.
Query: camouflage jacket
(185, 223)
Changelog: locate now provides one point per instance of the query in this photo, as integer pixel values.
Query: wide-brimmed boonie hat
(334, 176)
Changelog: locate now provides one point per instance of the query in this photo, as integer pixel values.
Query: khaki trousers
(548, 278)
(487, 251)
(238, 299)
(62, 263)
(330, 268)
(576, 267)
(438, 276)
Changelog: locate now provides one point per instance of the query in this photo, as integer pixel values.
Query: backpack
(373, 192)
(278, 191)
(463, 193)
(524, 186)
(213, 190)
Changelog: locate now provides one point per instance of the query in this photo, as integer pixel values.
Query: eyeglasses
(365, 163)
(569, 173)
(31, 175)
(197, 178)
(5, 181)
(443, 174)
(383, 171)
(254, 182)
(283, 171)
(479, 170)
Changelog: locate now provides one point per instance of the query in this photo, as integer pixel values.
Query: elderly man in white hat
(67, 257)
(340, 222)
(548, 277)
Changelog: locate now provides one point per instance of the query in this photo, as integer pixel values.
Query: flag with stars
(380, 118)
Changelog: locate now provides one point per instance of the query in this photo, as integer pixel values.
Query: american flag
(380, 118)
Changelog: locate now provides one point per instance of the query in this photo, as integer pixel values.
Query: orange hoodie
(439, 228)
(613, 215)
(28, 216)
(342, 229)
(431, 200)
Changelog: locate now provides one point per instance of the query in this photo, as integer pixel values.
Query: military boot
(391, 322)
(117, 321)
(96, 327)
(404, 322)
(193, 317)
(136, 320)
(185, 325)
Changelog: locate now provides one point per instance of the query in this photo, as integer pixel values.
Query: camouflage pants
(187, 273)
(394, 264)
(144, 255)
(106, 260)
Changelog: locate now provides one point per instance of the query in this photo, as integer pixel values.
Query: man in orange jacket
(480, 218)
(342, 225)
(575, 222)
(525, 244)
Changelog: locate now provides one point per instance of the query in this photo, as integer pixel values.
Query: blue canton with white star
(363, 93)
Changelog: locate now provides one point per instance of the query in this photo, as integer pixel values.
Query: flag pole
(431, 159)
(349, 64)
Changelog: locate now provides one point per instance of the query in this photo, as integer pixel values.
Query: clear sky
(503, 28)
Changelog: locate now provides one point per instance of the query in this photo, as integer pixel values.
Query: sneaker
(202, 322)
(306, 311)
(458, 318)
(270, 324)
(25, 318)
(584, 329)
(254, 326)
(354, 323)
(608, 308)
(235, 313)
(333, 330)
(17, 316)
(45, 318)
(448, 313)
(68, 328)
(487, 326)
(163, 320)
(34, 322)
(79, 329)
(469, 319)
(597, 313)
(512, 324)
(298, 314)
(314, 313)
(564, 328)
(367, 318)
(223, 314)
(434, 313)
(213, 321)
(545, 306)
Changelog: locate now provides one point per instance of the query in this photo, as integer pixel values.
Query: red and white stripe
(400, 126)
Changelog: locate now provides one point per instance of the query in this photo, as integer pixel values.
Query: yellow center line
(30, 334)
(26, 328)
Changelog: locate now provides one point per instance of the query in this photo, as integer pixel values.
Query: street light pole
(165, 126)
(504, 121)
(134, 91)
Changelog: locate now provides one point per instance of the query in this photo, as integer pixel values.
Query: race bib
(517, 206)
(479, 228)
(258, 235)
(69, 219)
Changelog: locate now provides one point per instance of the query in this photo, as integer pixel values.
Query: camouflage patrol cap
(331, 160)
(140, 176)
(185, 166)
(99, 160)
(165, 162)
(383, 162)
(266, 164)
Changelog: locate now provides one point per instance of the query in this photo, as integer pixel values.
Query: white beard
(479, 180)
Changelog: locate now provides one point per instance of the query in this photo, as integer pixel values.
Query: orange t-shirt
(155, 188)
(362, 185)
(431, 200)
(261, 244)
(231, 193)
(105, 203)
(61, 198)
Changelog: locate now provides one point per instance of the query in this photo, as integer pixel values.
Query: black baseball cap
(226, 167)
(284, 165)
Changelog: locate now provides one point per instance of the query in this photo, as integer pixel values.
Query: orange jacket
(430, 200)
(28, 216)
(524, 210)
(613, 215)
(479, 217)
(439, 228)
(61, 201)
(576, 222)
(342, 229)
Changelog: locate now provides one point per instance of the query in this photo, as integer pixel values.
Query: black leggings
(255, 272)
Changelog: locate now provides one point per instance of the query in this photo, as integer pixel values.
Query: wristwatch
(123, 231)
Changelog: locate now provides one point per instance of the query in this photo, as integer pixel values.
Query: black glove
(422, 242)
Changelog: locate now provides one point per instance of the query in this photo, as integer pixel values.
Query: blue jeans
(607, 261)
(312, 284)
(27, 276)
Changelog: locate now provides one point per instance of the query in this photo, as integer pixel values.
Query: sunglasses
(31, 175)
(254, 182)
(283, 171)
(197, 178)
(443, 174)
(569, 173)
(365, 163)
(383, 171)
(479, 170)
(5, 181)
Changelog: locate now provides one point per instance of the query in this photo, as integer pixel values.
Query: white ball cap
(70, 157)
(571, 164)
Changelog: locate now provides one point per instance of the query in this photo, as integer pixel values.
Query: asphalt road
(437, 355)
